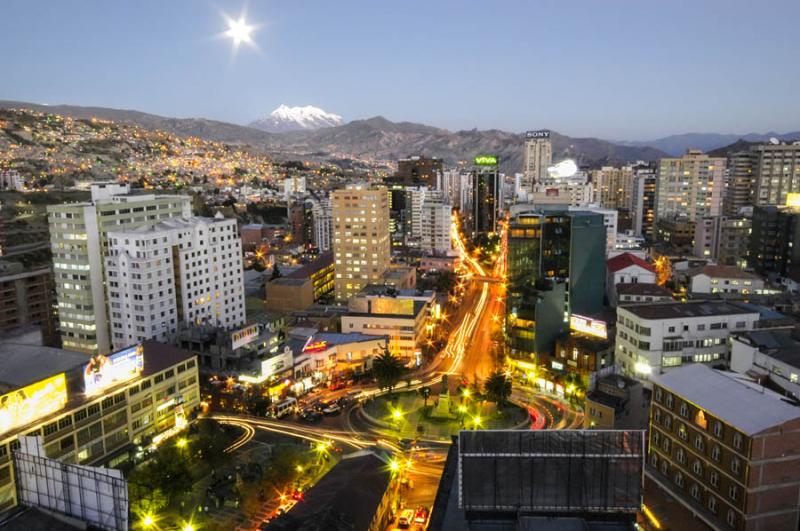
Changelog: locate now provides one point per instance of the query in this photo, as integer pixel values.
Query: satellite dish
(774, 141)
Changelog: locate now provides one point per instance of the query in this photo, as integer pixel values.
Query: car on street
(332, 409)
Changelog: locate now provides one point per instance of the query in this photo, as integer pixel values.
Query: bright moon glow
(239, 31)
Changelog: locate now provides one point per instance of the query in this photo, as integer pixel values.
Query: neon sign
(589, 326)
(104, 371)
(485, 160)
(315, 346)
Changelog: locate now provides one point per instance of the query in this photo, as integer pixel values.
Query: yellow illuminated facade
(27, 404)
(793, 199)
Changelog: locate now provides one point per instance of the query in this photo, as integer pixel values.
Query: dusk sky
(632, 70)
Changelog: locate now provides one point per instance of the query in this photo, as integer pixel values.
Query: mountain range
(286, 118)
(379, 139)
(677, 145)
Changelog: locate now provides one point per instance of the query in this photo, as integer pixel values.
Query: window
(669, 401)
(665, 444)
(733, 492)
(684, 410)
(680, 455)
(715, 452)
(658, 394)
(712, 504)
(718, 429)
(679, 479)
(737, 441)
(699, 443)
(731, 518)
(714, 479)
(695, 491)
(682, 433)
(654, 459)
(665, 467)
(697, 468)
(736, 465)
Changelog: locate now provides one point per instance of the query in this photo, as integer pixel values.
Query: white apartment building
(690, 186)
(773, 354)
(575, 191)
(361, 245)
(183, 270)
(78, 238)
(322, 214)
(436, 221)
(653, 338)
(725, 279)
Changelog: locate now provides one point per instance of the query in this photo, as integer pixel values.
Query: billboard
(23, 406)
(541, 133)
(392, 306)
(104, 371)
(554, 471)
(242, 337)
(277, 364)
(486, 160)
(589, 326)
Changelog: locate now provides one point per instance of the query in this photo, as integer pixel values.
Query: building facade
(775, 241)
(643, 201)
(722, 239)
(486, 200)
(78, 238)
(186, 270)
(361, 238)
(726, 449)
(690, 186)
(537, 157)
(765, 174)
(26, 298)
(655, 338)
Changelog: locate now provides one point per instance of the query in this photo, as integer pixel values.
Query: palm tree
(387, 370)
(497, 388)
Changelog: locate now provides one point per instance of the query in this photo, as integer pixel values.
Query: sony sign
(541, 133)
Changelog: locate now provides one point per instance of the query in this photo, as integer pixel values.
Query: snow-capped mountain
(286, 118)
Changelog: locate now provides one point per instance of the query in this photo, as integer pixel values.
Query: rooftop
(723, 271)
(643, 288)
(24, 364)
(624, 260)
(783, 345)
(323, 260)
(742, 403)
(684, 310)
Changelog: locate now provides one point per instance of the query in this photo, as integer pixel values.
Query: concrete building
(610, 221)
(643, 201)
(722, 239)
(724, 279)
(616, 402)
(675, 231)
(321, 274)
(182, 270)
(361, 238)
(769, 356)
(88, 413)
(537, 157)
(582, 356)
(437, 216)
(322, 219)
(419, 171)
(337, 356)
(78, 237)
(613, 187)
(555, 269)
(726, 449)
(234, 350)
(765, 174)
(690, 186)
(402, 317)
(775, 242)
(639, 293)
(574, 192)
(294, 185)
(285, 294)
(655, 338)
(627, 268)
(26, 298)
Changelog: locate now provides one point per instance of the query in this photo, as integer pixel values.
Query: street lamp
(147, 521)
(476, 421)
(181, 443)
(397, 415)
(188, 527)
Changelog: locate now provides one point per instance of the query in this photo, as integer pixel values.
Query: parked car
(332, 409)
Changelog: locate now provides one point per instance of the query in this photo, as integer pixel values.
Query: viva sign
(486, 160)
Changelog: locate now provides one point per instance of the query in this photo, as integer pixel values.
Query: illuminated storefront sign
(541, 133)
(315, 346)
(104, 371)
(587, 325)
(486, 160)
(242, 337)
(23, 406)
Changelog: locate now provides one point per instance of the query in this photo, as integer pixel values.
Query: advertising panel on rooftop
(23, 406)
(104, 371)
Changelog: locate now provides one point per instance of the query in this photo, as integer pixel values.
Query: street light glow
(147, 521)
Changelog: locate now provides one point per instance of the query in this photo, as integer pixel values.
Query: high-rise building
(765, 174)
(643, 201)
(78, 237)
(564, 185)
(322, 219)
(690, 186)
(537, 157)
(486, 200)
(725, 447)
(775, 241)
(436, 221)
(613, 187)
(295, 184)
(301, 221)
(360, 237)
(556, 267)
(722, 239)
(419, 171)
(26, 299)
(178, 271)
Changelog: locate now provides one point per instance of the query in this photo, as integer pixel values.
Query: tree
(276, 273)
(387, 370)
(426, 393)
(210, 443)
(161, 481)
(497, 388)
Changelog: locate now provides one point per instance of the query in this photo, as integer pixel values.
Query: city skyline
(170, 60)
